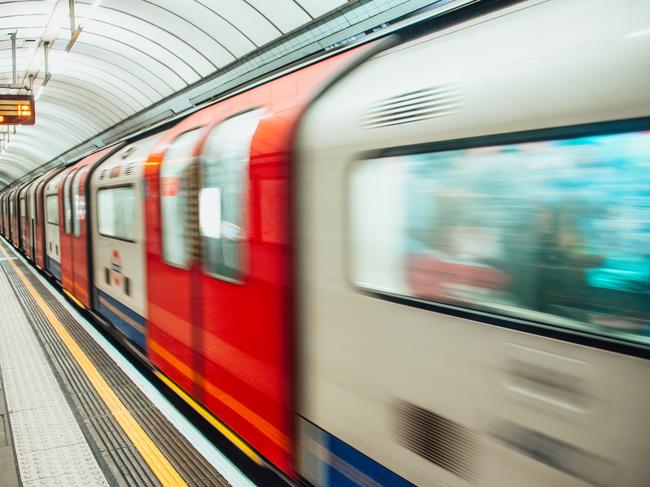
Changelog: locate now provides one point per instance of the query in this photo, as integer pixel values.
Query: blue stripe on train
(339, 474)
(109, 308)
(332, 462)
(53, 266)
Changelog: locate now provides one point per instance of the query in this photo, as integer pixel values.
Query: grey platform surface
(56, 429)
(49, 445)
(8, 471)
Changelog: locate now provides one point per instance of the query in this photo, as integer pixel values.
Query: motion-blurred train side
(423, 260)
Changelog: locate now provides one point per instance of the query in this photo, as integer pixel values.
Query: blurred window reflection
(78, 205)
(224, 174)
(174, 182)
(52, 204)
(67, 210)
(115, 216)
(552, 231)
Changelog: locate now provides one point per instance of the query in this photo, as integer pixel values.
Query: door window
(67, 207)
(223, 195)
(52, 203)
(115, 212)
(174, 182)
(78, 205)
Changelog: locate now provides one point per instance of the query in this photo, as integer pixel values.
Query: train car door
(30, 248)
(22, 218)
(20, 211)
(243, 274)
(15, 236)
(41, 218)
(10, 215)
(52, 222)
(2, 213)
(65, 230)
(169, 259)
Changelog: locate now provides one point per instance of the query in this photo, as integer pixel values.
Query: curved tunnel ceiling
(129, 55)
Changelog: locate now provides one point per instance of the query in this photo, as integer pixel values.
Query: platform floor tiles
(69, 416)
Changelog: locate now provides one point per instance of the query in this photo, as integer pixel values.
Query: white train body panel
(120, 261)
(52, 235)
(533, 66)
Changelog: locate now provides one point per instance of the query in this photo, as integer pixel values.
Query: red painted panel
(24, 221)
(231, 345)
(5, 215)
(40, 225)
(65, 239)
(169, 290)
(25, 224)
(40, 213)
(15, 221)
(81, 287)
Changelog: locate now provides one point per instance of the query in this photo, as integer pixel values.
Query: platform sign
(17, 110)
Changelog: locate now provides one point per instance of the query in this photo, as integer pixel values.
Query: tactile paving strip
(48, 440)
(105, 435)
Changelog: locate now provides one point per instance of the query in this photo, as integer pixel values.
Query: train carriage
(456, 229)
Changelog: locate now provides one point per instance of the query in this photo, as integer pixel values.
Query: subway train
(420, 260)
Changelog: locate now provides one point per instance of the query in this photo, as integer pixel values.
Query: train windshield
(555, 231)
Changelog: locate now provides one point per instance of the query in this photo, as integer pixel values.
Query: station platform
(74, 411)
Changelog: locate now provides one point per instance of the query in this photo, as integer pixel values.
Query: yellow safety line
(160, 466)
(76, 301)
(223, 429)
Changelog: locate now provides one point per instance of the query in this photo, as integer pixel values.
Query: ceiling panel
(128, 56)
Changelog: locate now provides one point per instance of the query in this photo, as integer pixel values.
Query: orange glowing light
(17, 110)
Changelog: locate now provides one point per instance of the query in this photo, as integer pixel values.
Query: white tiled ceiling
(129, 55)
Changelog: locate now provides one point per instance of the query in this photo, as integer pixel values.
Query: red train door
(79, 241)
(32, 220)
(244, 277)
(65, 229)
(169, 261)
(40, 219)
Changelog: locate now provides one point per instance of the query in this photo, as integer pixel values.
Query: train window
(34, 207)
(174, 181)
(52, 203)
(67, 207)
(224, 173)
(78, 205)
(115, 212)
(554, 232)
